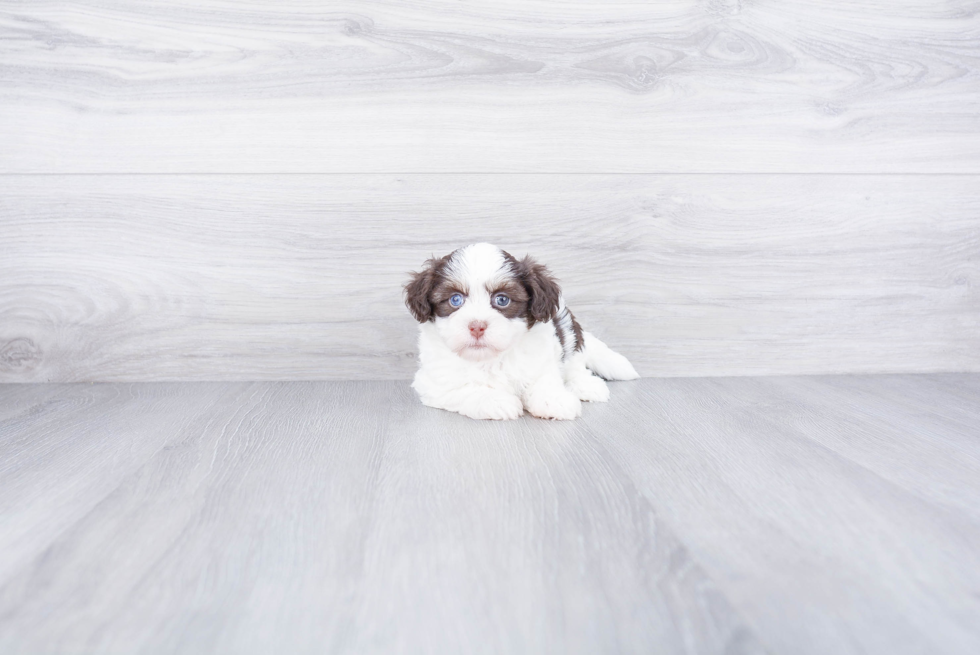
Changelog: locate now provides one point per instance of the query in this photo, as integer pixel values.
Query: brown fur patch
(419, 290)
(514, 290)
(577, 330)
(441, 293)
(541, 287)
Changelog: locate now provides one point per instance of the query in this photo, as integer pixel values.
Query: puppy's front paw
(559, 404)
(589, 388)
(495, 405)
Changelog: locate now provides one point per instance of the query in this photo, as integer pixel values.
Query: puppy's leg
(547, 397)
(475, 401)
(580, 381)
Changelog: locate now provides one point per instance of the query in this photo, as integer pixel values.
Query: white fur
(511, 368)
(605, 361)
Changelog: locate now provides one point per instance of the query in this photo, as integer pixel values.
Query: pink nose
(477, 328)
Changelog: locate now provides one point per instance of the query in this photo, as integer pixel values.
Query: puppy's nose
(477, 328)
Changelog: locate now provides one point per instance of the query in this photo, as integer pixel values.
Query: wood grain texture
(740, 515)
(345, 517)
(118, 86)
(819, 498)
(299, 277)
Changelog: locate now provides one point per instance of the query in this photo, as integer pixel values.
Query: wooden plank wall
(235, 190)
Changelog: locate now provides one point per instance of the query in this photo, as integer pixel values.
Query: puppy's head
(482, 299)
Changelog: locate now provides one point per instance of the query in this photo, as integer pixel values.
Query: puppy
(495, 338)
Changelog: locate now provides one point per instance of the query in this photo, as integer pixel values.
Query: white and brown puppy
(496, 338)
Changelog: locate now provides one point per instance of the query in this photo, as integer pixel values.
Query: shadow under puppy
(496, 338)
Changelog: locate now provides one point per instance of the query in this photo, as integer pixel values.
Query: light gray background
(232, 190)
(235, 191)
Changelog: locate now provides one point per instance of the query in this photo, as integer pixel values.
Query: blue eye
(456, 299)
(500, 300)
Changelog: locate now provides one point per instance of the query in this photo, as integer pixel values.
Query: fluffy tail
(605, 362)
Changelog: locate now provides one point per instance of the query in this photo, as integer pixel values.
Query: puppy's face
(481, 299)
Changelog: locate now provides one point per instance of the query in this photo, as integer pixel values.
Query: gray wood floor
(782, 515)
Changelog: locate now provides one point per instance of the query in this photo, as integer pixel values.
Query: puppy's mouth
(477, 347)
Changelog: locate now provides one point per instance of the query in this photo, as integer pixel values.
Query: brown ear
(542, 289)
(417, 291)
